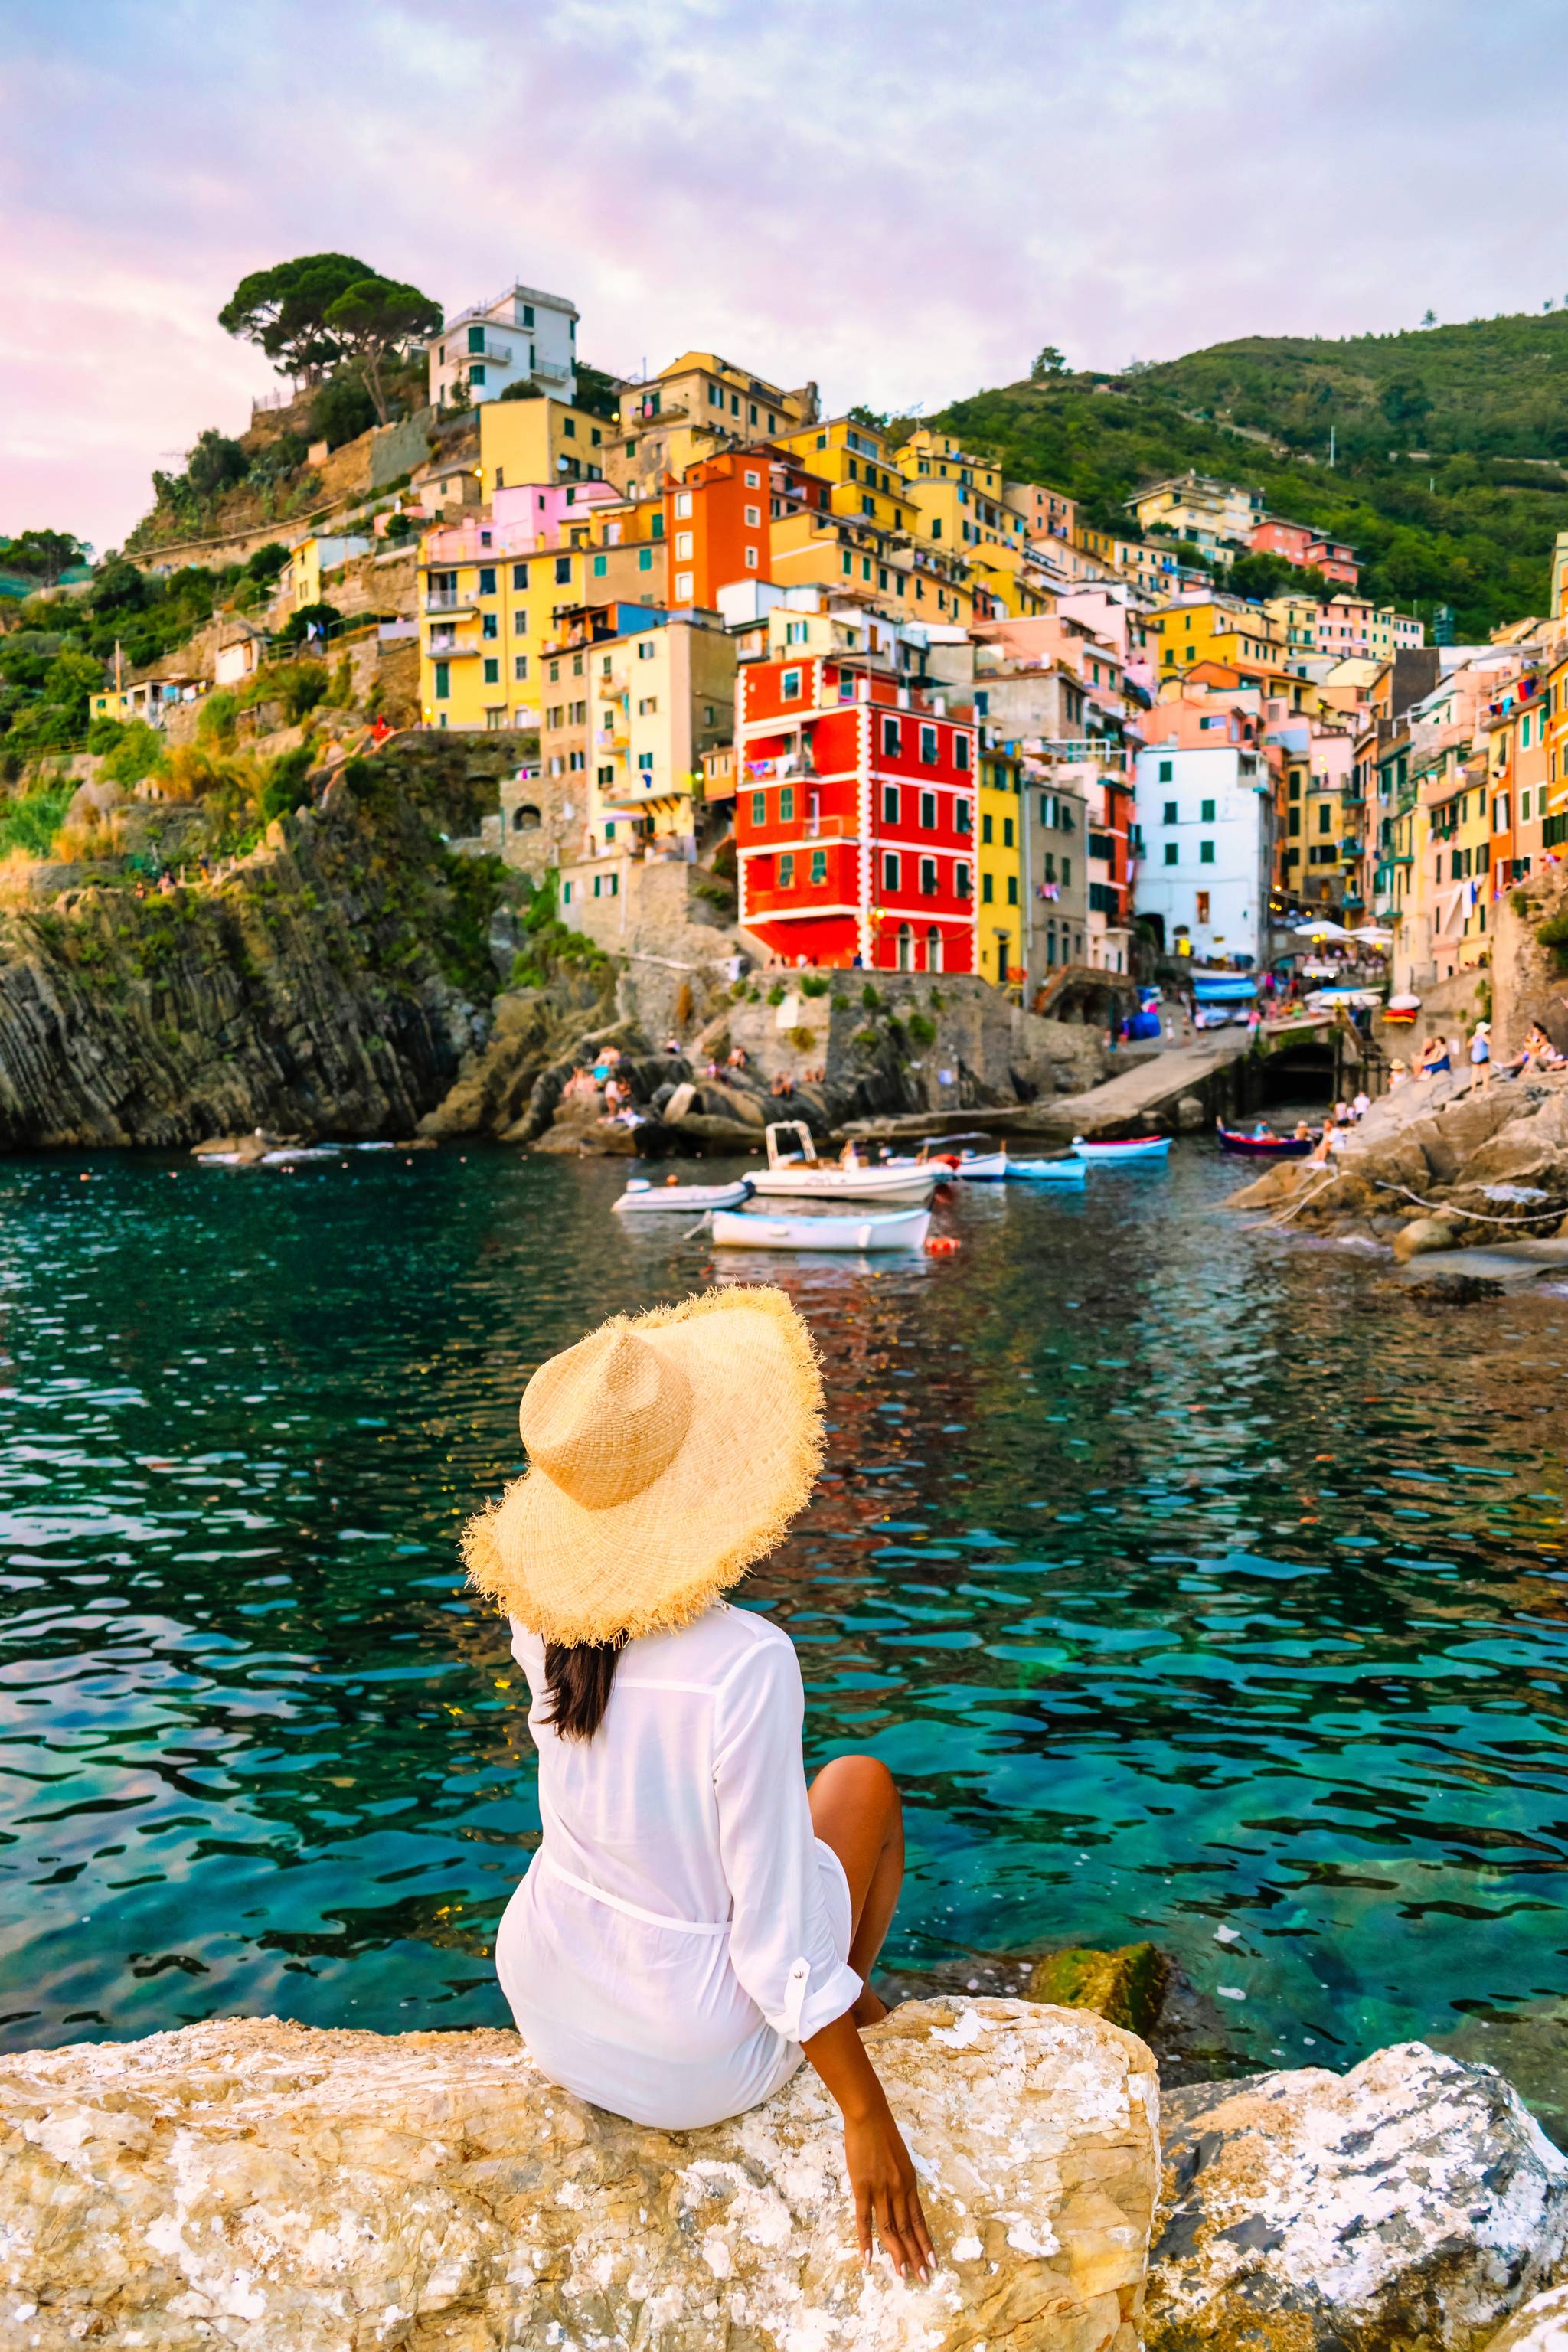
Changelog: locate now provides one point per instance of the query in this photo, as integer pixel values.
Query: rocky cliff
(329, 981)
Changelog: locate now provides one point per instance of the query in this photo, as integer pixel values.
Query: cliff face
(331, 982)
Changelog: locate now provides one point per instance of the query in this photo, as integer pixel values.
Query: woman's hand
(882, 2182)
(881, 2175)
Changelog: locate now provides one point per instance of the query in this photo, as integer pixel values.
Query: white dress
(681, 1930)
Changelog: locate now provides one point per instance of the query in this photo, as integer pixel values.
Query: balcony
(448, 600)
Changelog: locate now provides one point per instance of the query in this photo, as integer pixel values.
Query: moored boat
(644, 1199)
(1049, 1172)
(955, 1155)
(800, 1175)
(1131, 1149)
(1264, 1147)
(901, 1230)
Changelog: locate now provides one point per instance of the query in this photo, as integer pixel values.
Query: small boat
(1264, 1147)
(1049, 1172)
(905, 1230)
(954, 1155)
(1133, 1150)
(644, 1199)
(800, 1175)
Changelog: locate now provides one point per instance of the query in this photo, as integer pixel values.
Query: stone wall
(1527, 984)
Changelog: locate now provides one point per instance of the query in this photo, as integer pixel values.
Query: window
(759, 809)
(477, 375)
(443, 681)
(1206, 813)
(605, 776)
(961, 877)
(645, 763)
(927, 747)
(928, 812)
(928, 878)
(519, 623)
(1066, 872)
(601, 565)
(964, 819)
(751, 556)
(563, 570)
(520, 581)
(519, 667)
(1172, 855)
(1012, 889)
(1167, 775)
(682, 504)
(892, 740)
(576, 761)
(889, 869)
(492, 673)
(819, 865)
(786, 871)
(889, 803)
(1202, 906)
(647, 650)
(985, 825)
(683, 546)
(475, 339)
(961, 752)
(487, 579)
(986, 889)
(647, 706)
(684, 587)
(489, 625)
(645, 556)
(1324, 816)
(787, 805)
(1006, 832)
(1206, 853)
(753, 479)
(567, 894)
(789, 686)
(753, 518)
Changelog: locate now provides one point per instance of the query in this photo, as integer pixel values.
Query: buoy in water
(942, 1246)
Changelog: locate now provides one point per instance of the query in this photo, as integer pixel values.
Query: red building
(1298, 543)
(855, 802)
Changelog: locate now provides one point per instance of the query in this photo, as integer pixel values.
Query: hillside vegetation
(1468, 522)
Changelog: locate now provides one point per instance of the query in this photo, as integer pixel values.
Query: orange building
(716, 521)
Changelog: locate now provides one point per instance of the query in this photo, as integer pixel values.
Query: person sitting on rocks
(1360, 1103)
(782, 1084)
(696, 1919)
(1397, 1074)
(1435, 1060)
(739, 1058)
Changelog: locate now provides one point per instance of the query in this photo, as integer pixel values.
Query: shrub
(866, 1039)
(140, 753)
(802, 1038)
(841, 1004)
(921, 1031)
(30, 822)
(937, 1000)
(340, 695)
(813, 983)
(286, 787)
(104, 734)
(723, 860)
(776, 993)
(217, 722)
(341, 410)
(323, 615)
(298, 685)
(870, 998)
(1554, 934)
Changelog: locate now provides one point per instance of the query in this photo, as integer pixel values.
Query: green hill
(1451, 448)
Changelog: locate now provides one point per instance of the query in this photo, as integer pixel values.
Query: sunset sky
(904, 202)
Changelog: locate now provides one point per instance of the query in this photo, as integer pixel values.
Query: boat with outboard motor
(799, 1175)
(1242, 1146)
(955, 1155)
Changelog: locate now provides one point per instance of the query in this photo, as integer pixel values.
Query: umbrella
(1322, 928)
(1374, 936)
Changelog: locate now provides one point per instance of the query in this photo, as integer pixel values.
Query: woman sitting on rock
(696, 1917)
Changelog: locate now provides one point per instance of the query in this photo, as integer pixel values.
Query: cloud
(903, 204)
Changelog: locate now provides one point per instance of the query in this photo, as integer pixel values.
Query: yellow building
(1216, 516)
(1219, 629)
(904, 579)
(855, 461)
(1005, 574)
(999, 858)
(1555, 833)
(662, 699)
(697, 404)
(1458, 881)
(538, 440)
(489, 601)
(314, 556)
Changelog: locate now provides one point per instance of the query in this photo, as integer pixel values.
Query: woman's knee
(863, 1781)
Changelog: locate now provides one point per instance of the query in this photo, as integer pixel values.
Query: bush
(298, 685)
(802, 1038)
(870, 998)
(841, 1004)
(31, 822)
(866, 1039)
(341, 412)
(321, 615)
(722, 861)
(140, 753)
(266, 562)
(776, 993)
(1554, 936)
(921, 1031)
(104, 734)
(813, 983)
(215, 464)
(218, 721)
(286, 787)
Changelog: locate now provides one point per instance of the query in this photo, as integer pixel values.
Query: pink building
(1298, 543)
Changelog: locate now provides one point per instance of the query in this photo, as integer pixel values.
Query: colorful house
(698, 405)
(524, 336)
(539, 442)
(717, 523)
(1000, 914)
(855, 816)
(1311, 549)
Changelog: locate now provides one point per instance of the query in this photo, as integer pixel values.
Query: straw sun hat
(668, 1451)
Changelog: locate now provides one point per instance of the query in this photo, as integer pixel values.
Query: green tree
(323, 617)
(118, 587)
(215, 464)
(284, 310)
(1405, 402)
(598, 392)
(42, 555)
(376, 319)
(1048, 363)
(341, 410)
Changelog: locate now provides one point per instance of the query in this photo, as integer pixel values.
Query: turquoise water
(1188, 1582)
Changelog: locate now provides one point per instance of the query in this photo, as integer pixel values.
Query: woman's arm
(882, 2177)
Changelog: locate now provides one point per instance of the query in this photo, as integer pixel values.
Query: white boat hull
(1114, 1154)
(680, 1200)
(914, 1185)
(1049, 1172)
(906, 1231)
(975, 1167)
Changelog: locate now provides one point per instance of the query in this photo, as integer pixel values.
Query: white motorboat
(954, 1156)
(1129, 1150)
(800, 1175)
(905, 1230)
(643, 1198)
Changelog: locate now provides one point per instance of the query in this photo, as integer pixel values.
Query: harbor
(1196, 1589)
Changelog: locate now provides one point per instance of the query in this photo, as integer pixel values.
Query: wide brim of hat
(746, 1466)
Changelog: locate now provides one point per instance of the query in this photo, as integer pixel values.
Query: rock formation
(285, 2190)
(1412, 2201)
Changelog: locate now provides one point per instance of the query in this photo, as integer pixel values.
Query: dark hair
(580, 1676)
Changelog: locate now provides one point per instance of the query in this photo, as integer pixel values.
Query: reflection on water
(1195, 1587)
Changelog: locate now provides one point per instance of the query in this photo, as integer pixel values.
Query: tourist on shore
(1481, 1052)
(782, 1084)
(1360, 1103)
(1435, 1058)
(696, 1919)
(1397, 1074)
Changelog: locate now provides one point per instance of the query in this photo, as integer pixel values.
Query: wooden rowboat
(1264, 1147)
(905, 1230)
(1049, 1172)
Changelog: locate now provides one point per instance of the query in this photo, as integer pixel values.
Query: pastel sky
(904, 200)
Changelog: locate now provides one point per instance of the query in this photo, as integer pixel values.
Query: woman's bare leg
(854, 1808)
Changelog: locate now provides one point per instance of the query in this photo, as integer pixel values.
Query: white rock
(1539, 2326)
(271, 2187)
(1413, 2200)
